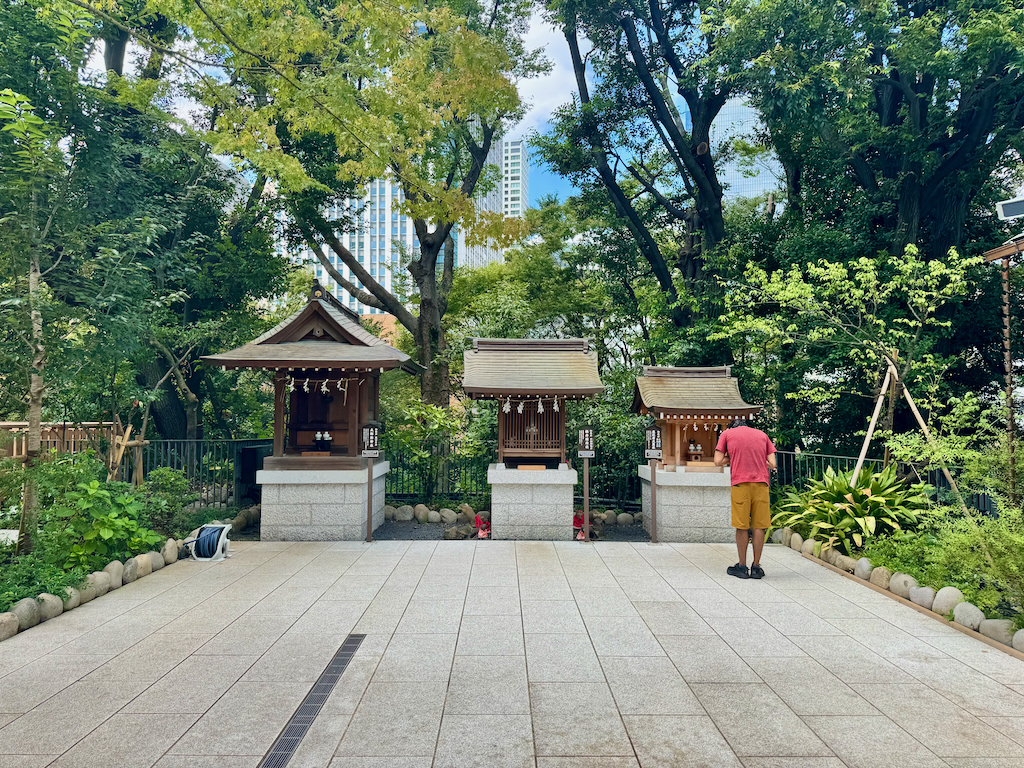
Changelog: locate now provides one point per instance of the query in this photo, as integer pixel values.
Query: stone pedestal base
(692, 506)
(319, 505)
(531, 503)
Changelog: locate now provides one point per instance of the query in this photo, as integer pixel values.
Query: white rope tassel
(323, 387)
(291, 385)
(520, 408)
(555, 405)
(540, 405)
(507, 407)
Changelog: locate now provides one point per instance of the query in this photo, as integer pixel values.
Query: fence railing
(226, 468)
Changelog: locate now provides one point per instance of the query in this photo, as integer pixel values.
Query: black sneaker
(739, 571)
(756, 572)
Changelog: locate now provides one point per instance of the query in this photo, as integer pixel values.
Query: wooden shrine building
(531, 379)
(326, 380)
(692, 406)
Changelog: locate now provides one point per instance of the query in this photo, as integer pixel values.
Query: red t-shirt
(748, 450)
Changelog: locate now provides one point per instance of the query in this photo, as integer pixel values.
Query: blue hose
(206, 542)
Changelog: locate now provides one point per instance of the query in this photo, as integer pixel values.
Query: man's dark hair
(740, 422)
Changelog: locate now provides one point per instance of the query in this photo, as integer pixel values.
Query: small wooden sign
(653, 446)
(586, 443)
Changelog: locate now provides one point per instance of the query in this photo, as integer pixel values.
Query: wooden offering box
(692, 406)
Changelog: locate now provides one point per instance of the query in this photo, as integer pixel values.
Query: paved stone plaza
(490, 653)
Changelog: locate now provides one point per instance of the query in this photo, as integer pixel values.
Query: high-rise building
(515, 178)
(383, 239)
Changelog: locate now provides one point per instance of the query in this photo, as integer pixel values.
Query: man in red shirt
(751, 454)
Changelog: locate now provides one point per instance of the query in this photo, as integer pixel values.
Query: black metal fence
(449, 472)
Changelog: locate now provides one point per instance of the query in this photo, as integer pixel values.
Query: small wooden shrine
(326, 375)
(692, 406)
(531, 379)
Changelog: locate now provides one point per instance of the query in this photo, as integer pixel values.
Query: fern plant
(842, 513)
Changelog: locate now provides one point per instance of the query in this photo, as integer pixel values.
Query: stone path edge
(919, 608)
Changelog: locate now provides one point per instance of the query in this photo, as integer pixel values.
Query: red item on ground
(483, 528)
(577, 521)
(748, 450)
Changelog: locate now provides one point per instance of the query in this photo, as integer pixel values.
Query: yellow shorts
(751, 507)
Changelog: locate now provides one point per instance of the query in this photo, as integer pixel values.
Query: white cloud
(544, 94)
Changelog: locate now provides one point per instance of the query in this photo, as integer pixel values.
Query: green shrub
(843, 514)
(164, 495)
(31, 575)
(101, 524)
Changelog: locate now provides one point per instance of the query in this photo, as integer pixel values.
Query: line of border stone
(947, 601)
(31, 611)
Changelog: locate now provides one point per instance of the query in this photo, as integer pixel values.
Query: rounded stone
(433, 516)
(624, 519)
(156, 560)
(237, 524)
(968, 615)
(49, 606)
(131, 571)
(807, 547)
(420, 512)
(946, 599)
(787, 535)
(923, 596)
(611, 517)
(404, 513)
(826, 553)
(900, 584)
(796, 541)
(448, 516)
(1000, 630)
(145, 565)
(100, 581)
(389, 512)
(451, 533)
(880, 577)
(73, 599)
(87, 592)
(27, 611)
(467, 510)
(485, 515)
(638, 517)
(776, 536)
(169, 552)
(8, 625)
(845, 563)
(863, 569)
(1018, 640)
(115, 570)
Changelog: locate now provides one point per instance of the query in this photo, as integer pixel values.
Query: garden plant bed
(919, 608)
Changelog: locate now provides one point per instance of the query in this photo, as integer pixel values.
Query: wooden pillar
(678, 444)
(501, 433)
(279, 396)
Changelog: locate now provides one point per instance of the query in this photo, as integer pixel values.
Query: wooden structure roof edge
(530, 345)
(1011, 247)
(531, 368)
(678, 391)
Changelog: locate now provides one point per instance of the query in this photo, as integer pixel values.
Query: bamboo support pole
(871, 427)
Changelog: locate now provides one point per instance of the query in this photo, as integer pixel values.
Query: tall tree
(413, 91)
(908, 112)
(643, 126)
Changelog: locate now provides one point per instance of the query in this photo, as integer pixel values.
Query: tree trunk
(30, 497)
(167, 412)
(189, 397)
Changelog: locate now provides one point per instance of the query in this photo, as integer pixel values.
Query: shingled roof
(690, 391)
(323, 334)
(541, 367)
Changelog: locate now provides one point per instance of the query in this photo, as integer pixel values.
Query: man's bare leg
(741, 545)
(758, 544)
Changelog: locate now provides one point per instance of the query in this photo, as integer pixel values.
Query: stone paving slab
(499, 653)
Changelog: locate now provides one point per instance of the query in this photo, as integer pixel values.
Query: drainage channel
(288, 741)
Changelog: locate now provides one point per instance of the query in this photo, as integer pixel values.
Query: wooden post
(677, 442)
(369, 501)
(874, 420)
(586, 499)
(654, 501)
(279, 396)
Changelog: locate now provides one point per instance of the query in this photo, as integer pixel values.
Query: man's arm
(772, 463)
(722, 460)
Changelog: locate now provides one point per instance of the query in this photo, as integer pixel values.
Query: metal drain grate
(288, 740)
